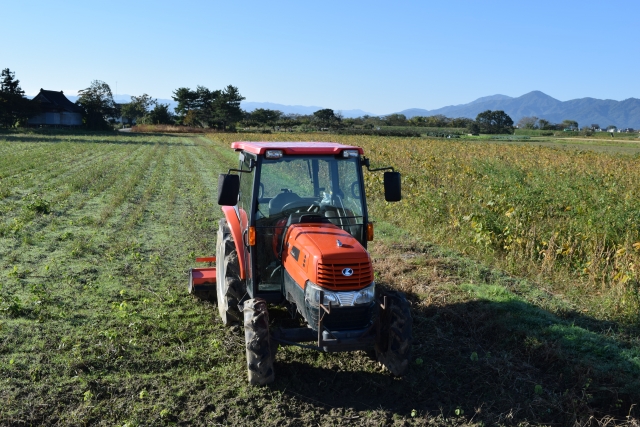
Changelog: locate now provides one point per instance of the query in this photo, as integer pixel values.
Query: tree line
(220, 109)
(534, 122)
(202, 107)
(495, 122)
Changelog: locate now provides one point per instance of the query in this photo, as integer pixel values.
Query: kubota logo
(347, 272)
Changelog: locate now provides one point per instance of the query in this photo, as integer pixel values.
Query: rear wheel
(393, 346)
(260, 352)
(229, 287)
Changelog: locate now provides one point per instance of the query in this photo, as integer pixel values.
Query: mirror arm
(365, 162)
(238, 170)
(252, 164)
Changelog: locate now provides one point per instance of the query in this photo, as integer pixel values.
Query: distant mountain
(298, 109)
(585, 111)
(491, 98)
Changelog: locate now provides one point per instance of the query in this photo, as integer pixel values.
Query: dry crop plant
(563, 216)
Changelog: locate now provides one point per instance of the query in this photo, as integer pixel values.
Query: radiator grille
(330, 275)
(344, 318)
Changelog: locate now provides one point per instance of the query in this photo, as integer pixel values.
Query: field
(521, 263)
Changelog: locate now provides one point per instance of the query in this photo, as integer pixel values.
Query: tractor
(294, 234)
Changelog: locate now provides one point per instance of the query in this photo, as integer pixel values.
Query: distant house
(56, 109)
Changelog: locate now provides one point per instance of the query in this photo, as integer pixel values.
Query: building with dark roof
(56, 110)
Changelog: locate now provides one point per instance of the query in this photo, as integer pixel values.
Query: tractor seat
(277, 203)
(335, 217)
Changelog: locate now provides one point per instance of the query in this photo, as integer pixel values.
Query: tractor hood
(327, 256)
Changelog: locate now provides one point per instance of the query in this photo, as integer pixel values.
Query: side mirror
(228, 189)
(392, 187)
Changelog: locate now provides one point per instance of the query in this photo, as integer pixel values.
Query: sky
(378, 56)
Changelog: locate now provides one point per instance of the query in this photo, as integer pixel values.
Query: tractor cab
(305, 189)
(295, 233)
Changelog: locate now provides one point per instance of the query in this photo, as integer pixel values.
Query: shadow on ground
(499, 362)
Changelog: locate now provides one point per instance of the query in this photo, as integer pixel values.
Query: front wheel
(258, 342)
(393, 344)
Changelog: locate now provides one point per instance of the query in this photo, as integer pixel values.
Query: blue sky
(378, 56)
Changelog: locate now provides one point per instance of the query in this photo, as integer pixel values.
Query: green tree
(15, 108)
(395, 120)
(97, 103)
(209, 108)
(228, 111)
(265, 117)
(205, 106)
(288, 121)
(186, 99)
(160, 115)
(544, 124)
(494, 122)
(139, 107)
(473, 128)
(437, 121)
(325, 118)
(569, 124)
(461, 122)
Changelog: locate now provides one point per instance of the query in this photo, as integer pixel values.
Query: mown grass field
(519, 261)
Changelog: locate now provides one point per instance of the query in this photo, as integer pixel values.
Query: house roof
(57, 100)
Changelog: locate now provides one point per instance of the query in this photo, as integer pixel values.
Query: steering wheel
(355, 189)
(294, 206)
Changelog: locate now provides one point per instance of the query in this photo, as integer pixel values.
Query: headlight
(366, 295)
(342, 298)
(312, 295)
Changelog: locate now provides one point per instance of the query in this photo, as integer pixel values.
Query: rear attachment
(202, 281)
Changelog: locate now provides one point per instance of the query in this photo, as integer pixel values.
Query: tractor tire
(230, 288)
(393, 344)
(258, 342)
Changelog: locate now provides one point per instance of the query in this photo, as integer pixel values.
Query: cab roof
(294, 147)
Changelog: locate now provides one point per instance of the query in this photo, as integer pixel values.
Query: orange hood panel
(312, 252)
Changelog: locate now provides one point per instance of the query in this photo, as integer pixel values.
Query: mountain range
(585, 111)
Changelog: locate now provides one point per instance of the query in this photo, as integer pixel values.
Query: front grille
(330, 275)
(343, 318)
(346, 298)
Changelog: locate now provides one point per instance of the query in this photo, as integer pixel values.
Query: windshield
(323, 185)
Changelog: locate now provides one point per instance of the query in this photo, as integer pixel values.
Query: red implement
(202, 276)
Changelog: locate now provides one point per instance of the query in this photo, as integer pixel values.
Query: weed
(38, 205)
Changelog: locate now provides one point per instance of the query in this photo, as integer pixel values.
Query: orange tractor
(294, 234)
